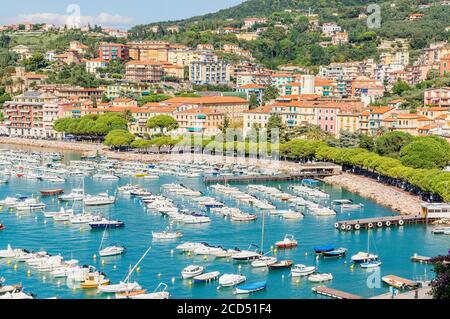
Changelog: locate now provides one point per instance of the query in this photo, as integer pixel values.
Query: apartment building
(201, 120)
(144, 71)
(205, 72)
(437, 97)
(155, 51)
(31, 114)
(113, 51)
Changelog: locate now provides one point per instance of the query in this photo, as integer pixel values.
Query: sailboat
(263, 261)
(112, 250)
(366, 259)
(125, 285)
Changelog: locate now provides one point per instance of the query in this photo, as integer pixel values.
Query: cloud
(74, 18)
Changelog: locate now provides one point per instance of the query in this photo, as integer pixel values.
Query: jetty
(384, 221)
(334, 293)
(304, 171)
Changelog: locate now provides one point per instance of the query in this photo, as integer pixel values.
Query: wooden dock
(304, 171)
(379, 222)
(334, 293)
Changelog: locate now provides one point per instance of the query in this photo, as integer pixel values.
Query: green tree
(119, 138)
(441, 283)
(400, 87)
(390, 144)
(426, 152)
(163, 122)
(35, 62)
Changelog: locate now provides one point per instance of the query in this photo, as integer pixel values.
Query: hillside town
(339, 97)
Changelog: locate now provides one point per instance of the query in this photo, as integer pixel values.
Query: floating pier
(400, 283)
(333, 293)
(304, 171)
(380, 222)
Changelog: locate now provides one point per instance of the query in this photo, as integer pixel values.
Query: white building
(93, 65)
(204, 72)
(328, 29)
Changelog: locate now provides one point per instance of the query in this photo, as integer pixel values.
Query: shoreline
(400, 201)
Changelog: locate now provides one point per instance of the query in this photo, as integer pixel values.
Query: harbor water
(394, 245)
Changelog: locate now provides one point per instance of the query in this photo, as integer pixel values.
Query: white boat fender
(388, 223)
(379, 224)
(370, 225)
(349, 227)
(343, 227)
(357, 226)
(401, 222)
(336, 225)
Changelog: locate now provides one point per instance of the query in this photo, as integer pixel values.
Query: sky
(121, 14)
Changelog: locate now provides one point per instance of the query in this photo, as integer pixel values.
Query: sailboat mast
(131, 271)
(262, 233)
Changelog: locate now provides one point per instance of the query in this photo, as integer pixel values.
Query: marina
(214, 228)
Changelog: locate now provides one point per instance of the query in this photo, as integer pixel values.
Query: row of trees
(92, 125)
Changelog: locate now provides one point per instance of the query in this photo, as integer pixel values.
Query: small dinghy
(252, 287)
(230, 280)
(209, 276)
(320, 277)
(335, 253)
(2, 227)
(282, 264)
(51, 192)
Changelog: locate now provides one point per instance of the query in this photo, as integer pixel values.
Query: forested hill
(265, 8)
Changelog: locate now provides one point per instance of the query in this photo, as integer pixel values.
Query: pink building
(326, 116)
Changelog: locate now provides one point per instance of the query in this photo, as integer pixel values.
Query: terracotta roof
(381, 109)
(251, 86)
(266, 109)
(200, 110)
(207, 100)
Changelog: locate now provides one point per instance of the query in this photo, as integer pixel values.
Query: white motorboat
(362, 257)
(207, 250)
(120, 287)
(63, 217)
(189, 246)
(166, 235)
(62, 210)
(230, 280)
(320, 277)
(246, 255)
(191, 271)
(264, 261)
(16, 295)
(84, 218)
(77, 194)
(30, 204)
(159, 293)
(9, 202)
(98, 200)
(300, 270)
(7, 253)
(112, 251)
(206, 277)
(292, 215)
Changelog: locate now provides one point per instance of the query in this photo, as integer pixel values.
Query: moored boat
(209, 276)
(335, 253)
(191, 271)
(230, 280)
(251, 287)
(300, 270)
(320, 277)
(51, 192)
(287, 242)
(282, 264)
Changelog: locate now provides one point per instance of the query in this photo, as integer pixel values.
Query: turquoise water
(394, 246)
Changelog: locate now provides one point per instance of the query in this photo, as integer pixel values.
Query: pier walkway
(334, 293)
(379, 222)
(304, 171)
